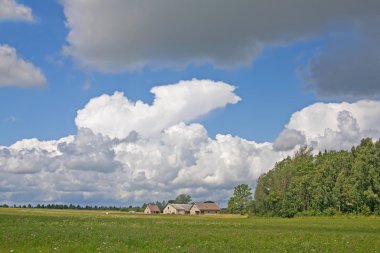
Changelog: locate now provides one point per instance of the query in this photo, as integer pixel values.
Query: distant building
(205, 208)
(177, 209)
(152, 209)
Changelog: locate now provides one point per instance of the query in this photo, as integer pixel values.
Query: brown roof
(153, 208)
(207, 206)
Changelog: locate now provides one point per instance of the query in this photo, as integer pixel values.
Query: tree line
(180, 199)
(328, 183)
(323, 184)
(70, 206)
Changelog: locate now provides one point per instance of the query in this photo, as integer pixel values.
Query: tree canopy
(182, 199)
(326, 183)
(241, 200)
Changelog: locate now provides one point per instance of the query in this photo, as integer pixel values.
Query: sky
(123, 102)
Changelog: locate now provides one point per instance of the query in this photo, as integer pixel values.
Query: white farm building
(177, 209)
(152, 209)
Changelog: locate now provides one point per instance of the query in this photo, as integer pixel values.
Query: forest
(327, 183)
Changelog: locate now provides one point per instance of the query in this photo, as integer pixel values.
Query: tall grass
(32, 230)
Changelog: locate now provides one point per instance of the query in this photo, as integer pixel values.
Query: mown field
(38, 230)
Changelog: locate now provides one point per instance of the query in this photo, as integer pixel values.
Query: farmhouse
(152, 208)
(177, 209)
(205, 208)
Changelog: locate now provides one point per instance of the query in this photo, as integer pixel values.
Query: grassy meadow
(41, 230)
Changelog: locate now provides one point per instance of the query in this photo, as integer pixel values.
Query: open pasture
(41, 230)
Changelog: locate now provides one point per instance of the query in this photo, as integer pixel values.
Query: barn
(205, 208)
(177, 209)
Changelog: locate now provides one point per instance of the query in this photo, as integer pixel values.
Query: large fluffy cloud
(337, 125)
(11, 10)
(288, 139)
(98, 168)
(92, 168)
(15, 71)
(116, 116)
(133, 34)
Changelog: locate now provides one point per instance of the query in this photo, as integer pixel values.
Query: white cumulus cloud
(15, 71)
(99, 168)
(116, 116)
(11, 10)
(91, 167)
(334, 126)
(289, 139)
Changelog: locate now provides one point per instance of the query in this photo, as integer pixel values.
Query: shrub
(330, 211)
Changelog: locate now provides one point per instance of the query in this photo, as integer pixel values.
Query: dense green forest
(327, 183)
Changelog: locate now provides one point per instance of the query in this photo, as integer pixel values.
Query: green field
(38, 230)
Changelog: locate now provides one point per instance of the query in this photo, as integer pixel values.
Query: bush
(288, 213)
(366, 211)
(308, 213)
(251, 215)
(330, 211)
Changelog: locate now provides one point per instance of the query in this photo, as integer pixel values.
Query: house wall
(194, 209)
(170, 210)
(148, 211)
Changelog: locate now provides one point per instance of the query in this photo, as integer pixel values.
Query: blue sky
(269, 87)
(297, 71)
